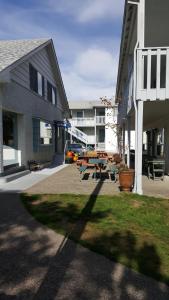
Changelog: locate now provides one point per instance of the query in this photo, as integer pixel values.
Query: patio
(67, 181)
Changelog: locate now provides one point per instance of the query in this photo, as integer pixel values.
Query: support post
(139, 151)
(135, 180)
(128, 141)
(124, 136)
(95, 131)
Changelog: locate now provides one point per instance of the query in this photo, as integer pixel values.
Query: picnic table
(99, 163)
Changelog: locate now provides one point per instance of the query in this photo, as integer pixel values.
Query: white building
(32, 100)
(143, 80)
(94, 124)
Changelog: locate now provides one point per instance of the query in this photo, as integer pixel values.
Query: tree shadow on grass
(82, 274)
(124, 247)
(34, 265)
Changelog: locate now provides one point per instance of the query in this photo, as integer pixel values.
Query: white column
(135, 180)
(128, 141)
(95, 132)
(21, 130)
(139, 151)
(166, 147)
(124, 135)
(1, 140)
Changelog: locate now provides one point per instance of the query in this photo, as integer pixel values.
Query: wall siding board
(41, 61)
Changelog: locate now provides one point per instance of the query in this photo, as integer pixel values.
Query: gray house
(32, 101)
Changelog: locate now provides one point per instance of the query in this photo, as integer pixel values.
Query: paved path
(38, 264)
(29, 180)
(68, 181)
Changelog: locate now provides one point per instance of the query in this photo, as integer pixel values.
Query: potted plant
(126, 178)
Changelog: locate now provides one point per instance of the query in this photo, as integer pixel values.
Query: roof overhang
(129, 10)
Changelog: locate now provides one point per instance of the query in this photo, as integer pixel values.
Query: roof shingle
(13, 50)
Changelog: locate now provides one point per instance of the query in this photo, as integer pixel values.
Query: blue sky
(86, 34)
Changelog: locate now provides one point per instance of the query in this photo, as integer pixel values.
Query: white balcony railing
(153, 73)
(91, 139)
(100, 146)
(83, 122)
(100, 120)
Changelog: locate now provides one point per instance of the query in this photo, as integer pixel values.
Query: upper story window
(36, 81)
(51, 93)
(79, 114)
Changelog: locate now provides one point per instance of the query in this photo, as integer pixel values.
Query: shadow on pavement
(37, 264)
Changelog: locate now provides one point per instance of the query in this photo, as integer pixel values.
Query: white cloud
(79, 89)
(95, 65)
(88, 66)
(92, 75)
(88, 10)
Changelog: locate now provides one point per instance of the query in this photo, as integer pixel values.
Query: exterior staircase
(78, 134)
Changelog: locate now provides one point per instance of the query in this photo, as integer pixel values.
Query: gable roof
(13, 50)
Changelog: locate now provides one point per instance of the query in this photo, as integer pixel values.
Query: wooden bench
(35, 165)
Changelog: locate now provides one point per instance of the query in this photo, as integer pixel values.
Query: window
(163, 72)
(36, 81)
(79, 114)
(51, 93)
(153, 71)
(9, 129)
(45, 133)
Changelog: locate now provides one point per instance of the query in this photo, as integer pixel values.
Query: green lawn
(130, 229)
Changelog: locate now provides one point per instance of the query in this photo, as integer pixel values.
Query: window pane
(163, 72)
(153, 71)
(45, 133)
(53, 95)
(33, 78)
(79, 114)
(145, 73)
(40, 85)
(49, 92)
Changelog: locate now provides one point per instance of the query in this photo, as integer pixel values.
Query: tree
(113, 124)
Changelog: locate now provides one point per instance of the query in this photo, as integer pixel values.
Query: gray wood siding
(41, 61)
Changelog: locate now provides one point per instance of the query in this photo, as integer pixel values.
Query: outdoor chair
(156, 168)
(112, 170)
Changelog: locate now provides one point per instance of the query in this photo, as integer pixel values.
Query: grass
(130, 229)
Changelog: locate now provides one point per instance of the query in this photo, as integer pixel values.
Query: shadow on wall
(32, 264)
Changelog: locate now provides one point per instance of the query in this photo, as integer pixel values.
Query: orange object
(75, 158)
(70, 154)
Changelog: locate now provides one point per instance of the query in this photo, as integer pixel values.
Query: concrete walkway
(29, 180)
(68, 181)
(36, 263)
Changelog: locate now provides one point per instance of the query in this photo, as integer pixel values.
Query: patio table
(99, 163)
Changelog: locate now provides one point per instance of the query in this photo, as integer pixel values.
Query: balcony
(153, 73)
(100, 120)
(91, 139)
(83, 122)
